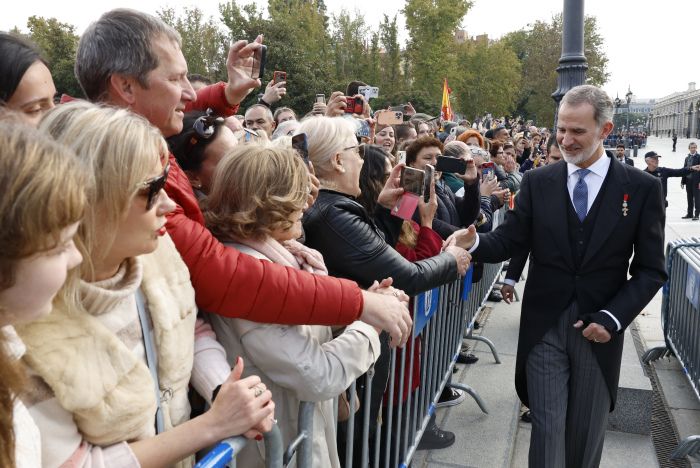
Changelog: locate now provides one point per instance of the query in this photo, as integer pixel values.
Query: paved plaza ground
(499, 439)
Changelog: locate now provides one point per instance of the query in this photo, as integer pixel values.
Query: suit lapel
(556, 196)
(610, 210)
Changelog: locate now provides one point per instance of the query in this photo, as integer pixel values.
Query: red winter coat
(233, 284)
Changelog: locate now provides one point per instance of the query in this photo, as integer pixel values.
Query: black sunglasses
(204, 127)
(153, 186)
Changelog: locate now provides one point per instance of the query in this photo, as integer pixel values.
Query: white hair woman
(112, 364)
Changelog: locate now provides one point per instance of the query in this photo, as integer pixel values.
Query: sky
(651, 47)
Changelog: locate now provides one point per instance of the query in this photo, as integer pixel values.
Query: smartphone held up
(413, 183)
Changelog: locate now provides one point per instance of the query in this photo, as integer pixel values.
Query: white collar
(600, 167)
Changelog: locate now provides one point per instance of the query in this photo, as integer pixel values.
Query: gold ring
(595, 340)
(396, 294)
(258, 391)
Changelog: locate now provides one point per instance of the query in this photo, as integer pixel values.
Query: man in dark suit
(582, 222)
(620, 155)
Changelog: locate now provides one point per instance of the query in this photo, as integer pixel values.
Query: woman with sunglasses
(199, 147)
(45, 179)
(111, 365)
(26, 85)
(358, 245)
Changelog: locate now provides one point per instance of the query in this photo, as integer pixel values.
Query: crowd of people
(158, 239)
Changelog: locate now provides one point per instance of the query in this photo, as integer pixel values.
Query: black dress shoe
(435, 438)
(495, 296)
(526, 417)
(688, 216)
(466, 358)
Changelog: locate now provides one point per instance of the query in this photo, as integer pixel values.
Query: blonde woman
(255, 205)
(43, 200)
(111, 365)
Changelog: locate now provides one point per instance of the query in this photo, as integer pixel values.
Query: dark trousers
(569, 400)
(693, 197)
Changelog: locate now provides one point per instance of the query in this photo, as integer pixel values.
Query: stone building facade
(679, 112)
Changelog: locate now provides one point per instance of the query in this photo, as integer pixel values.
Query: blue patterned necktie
(581, 194)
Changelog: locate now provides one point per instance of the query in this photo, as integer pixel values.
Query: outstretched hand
(464, 238)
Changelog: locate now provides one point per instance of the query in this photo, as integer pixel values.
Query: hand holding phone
(354, 105)
(279, 76)
(412, 181)
(487, 171)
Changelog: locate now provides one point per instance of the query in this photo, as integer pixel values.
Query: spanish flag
(446, 108)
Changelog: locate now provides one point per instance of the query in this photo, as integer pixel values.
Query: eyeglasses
(152, 187)
(205, 127)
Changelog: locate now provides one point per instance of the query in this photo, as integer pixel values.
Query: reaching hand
(238, 65)
(392, 191)
(388, 313)
(462, 256)
(274, 91)
(464, 238)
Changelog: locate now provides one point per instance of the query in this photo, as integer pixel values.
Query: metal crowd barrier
(680, 319)
(443, 317)
(224, 453)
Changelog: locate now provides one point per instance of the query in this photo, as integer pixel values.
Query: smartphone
(451, 165)
(427, 182)
(258, 68)
(355, 105)
(401, 157)
(279, 76)
(299, 144)
(368, 92)
(401, 108)
(487, 171)
(412, 180)
(388, 117)
(363, 129)
(321, 98)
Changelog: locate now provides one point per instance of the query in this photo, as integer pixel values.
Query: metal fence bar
(680, 320)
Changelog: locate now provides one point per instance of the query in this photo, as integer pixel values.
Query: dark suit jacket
(539, 223)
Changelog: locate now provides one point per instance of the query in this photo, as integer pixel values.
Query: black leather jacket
(354, 247)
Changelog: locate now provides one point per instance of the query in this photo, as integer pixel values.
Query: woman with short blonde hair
(43, 200)
(256, 205)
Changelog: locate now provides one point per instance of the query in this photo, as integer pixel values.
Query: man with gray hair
(132, 59)
(259, 118)
(583, 221)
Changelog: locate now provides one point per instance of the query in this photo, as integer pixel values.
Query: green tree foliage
(58, 43)
(490, 78)
(431, 51)
(204, 43)
(539, 49)
(296, 36)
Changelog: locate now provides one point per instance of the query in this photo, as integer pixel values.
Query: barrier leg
(473, 394)
(688, 447)
(490, 344)
(652, 354)
(274, 448)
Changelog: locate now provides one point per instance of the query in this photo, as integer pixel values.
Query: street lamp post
(628, 97)
(572, 63)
